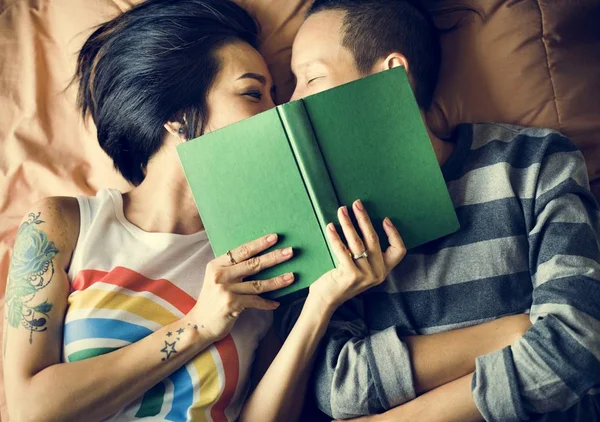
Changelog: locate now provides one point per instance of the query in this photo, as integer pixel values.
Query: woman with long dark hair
(116, 308)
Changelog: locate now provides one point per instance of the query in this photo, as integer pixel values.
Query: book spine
(313, 169)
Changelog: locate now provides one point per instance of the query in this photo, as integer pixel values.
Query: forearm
(440, 358)
(95, 388)
(277, 396)
(449, 403)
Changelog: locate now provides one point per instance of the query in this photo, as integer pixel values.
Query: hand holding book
(361, 265)
(354, 275)
(224, 295)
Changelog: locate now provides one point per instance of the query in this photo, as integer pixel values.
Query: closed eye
(254, 94)
(313, 79)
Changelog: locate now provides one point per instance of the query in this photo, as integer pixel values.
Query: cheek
(226, 112)
(222, 111)
(346, 77)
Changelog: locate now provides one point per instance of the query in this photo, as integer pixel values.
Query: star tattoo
(181, 330)
(169, 334)
(195, 326)
(169, 349)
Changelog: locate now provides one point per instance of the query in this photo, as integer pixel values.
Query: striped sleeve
(557, 361)
(357, 373)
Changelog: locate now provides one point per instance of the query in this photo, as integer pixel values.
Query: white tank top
(125, 284)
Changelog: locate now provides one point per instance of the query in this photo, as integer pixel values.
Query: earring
(180, 131)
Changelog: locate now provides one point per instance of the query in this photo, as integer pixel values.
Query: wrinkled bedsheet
(526, 62)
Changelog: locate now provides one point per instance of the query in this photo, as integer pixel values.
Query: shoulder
(51, 224)
(517, 146)
(545, 160)
(486, 133)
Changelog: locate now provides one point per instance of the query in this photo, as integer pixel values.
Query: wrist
(199, 336)
(318, 306)
(380, 418)
(312, 322)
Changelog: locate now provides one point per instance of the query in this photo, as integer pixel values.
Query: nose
(269, 103)
(295, 94)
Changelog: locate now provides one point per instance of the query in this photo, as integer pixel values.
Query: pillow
(529, 62)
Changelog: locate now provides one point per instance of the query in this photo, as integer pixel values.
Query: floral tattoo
(31, 269)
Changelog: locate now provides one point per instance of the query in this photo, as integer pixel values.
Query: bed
(527, 62)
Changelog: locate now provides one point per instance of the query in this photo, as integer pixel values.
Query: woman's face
(242, 88)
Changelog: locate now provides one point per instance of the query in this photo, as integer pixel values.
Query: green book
(287, 171)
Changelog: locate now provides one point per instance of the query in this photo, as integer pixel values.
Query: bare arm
(286, 380)
(36, 300)
(280, 393)
(440, 358)
(439, 361)
(352, 359)
(36, 297)
(452, 402)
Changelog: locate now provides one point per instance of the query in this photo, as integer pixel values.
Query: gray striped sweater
(528, 242)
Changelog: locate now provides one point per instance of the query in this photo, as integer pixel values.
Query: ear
(177, 128)
(391, 61)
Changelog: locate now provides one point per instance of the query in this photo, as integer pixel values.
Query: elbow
(19, 407)
(25, 411)
(327, 389)
(22, 407)
(340, 391)
(364, 377)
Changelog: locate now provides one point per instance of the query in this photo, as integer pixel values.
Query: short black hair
(372, 29)
(151, 64)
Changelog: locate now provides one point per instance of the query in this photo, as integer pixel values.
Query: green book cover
(287, 170)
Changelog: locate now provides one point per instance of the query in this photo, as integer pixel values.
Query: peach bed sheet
(525, 62)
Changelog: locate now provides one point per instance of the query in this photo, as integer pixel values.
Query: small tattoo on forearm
(168, 350)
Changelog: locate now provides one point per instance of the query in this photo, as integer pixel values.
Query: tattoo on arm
(169, 348)
(31, 269)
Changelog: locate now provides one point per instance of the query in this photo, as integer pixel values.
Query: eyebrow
(309, 63)
(259, 78)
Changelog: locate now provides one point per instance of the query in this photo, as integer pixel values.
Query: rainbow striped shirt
(125, 284)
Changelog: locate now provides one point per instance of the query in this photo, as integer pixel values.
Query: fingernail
(388, 222)
(288, 277)
(331, 227)
(345, 211)
(359, 205)
(286, 251)
(275, 305)
(271, 238)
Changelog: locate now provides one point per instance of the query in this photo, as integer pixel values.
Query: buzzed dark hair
(372, 29)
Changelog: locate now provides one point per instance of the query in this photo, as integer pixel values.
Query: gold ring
(231, 258)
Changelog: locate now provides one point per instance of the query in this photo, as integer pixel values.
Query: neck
(442, 149)
(163, 202)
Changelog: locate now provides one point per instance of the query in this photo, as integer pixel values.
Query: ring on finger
(233, 261)
(359, 256)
